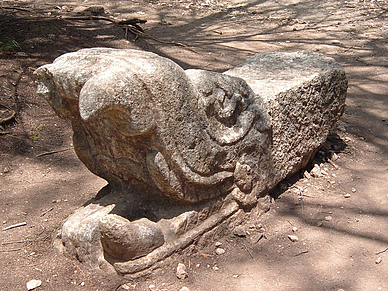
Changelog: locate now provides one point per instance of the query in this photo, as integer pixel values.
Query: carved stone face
(140, 119)
(155, 132)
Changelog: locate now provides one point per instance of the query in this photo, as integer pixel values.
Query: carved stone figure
(183, 150)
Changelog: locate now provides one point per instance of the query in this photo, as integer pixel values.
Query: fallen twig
(137, 33)
(246, 248)
(132, 21)
(16, 8)
(301, 253)
(20, 241)
(53, 152)
(15, 225)
(205, 255)
(383, 251)
(332, 163)
(5, 118)
(45, 212)
(259, 238)
(13, 250)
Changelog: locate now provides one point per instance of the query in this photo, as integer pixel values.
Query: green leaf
(34, 137)
(40, 127)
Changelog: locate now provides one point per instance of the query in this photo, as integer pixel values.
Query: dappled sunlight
(339, 239)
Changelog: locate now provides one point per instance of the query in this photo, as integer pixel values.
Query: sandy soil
(341, 217)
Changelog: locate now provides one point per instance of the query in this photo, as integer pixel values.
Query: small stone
(215, 268)
(293, 238)
(335, 41)
(334, 157)
(236, 276)
(347, 195)
(379, 259)
(125, 287)
(341, 128)
(33, 284)
(184, 289)
(181, 272)
(198, 265)
(220, 251)
(218, 244)
(316, 171)
(307, 175)
(354, 190)
(239, 231)
(151, 287)
(328, 218)
(294, 229)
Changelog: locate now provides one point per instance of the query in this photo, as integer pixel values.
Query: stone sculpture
(183, 150)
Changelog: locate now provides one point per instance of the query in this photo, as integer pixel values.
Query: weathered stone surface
(125, 240)
(304, 93)
(140, 119)
(181, 271)
(80, 235)
(186, 149)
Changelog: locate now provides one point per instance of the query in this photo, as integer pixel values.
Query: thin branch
(20, 241)
(383, 251)
(333, 164)
(15, 225)
(16, 8)
(246, 248)
(301, 253)
(45, 212)
(132, 21)
(139, 33)
(53, 152)
(13, 250)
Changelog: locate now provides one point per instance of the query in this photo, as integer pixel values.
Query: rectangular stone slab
(304, 93)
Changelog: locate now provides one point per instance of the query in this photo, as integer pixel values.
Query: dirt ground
(340, 217)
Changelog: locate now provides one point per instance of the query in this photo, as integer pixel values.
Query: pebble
(379, 259)
(218, 244)
(184, 289)
(316, 171)
(334, 157)
(151, 287)
(215, 268)
(239, 231)
(33, 284)
(181, 272)
(307, 175)
(220, 251)
(293, 238)
(347, 195)
(341, 128)
(328, 218)
(294, 229)
(354, 190)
